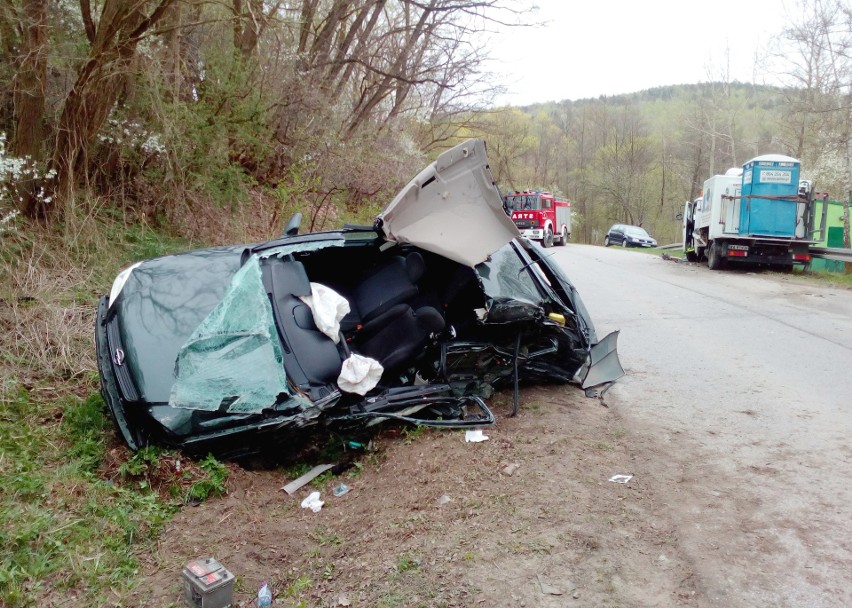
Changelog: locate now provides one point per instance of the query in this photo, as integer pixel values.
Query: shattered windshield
(504, 277)
(219, 366)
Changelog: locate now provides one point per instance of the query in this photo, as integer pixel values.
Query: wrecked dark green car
(415, 318)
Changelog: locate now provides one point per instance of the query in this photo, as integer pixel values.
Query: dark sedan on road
(628, 236)
(415, 318)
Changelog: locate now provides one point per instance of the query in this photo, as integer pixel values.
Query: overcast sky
(590, 48)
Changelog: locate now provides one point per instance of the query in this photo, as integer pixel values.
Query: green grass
(63, 528)
(830, 278)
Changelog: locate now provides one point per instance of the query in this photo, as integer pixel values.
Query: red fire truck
(540, 216)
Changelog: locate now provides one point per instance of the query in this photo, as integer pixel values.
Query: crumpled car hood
(451, 208)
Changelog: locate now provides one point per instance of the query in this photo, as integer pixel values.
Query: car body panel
(451, 208)
(160, 306)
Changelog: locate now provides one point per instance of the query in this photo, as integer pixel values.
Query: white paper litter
(621, 478)
(359, 374)
(313, 502)
(475, 436)
(328, 308)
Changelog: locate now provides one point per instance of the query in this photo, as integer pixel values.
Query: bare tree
(112, 44)
(821, 69)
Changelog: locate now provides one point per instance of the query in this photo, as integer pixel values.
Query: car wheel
(564, 240)
(548, 238)
(714, 258)
(606, 241)
(624, 243)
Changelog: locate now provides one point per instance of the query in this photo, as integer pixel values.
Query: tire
(714, 258)
(691, 256)
(624, 243)
(564, 240)
(547, 241)
(606, 241)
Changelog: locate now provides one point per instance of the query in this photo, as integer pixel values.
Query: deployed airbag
(359, 375)
(328, 308)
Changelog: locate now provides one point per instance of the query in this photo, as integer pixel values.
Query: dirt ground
(526, 518)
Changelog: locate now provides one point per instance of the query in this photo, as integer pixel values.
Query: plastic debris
(548, 589)
(621, 478)
(298, 483)
(475, 436)
(313, 502)
(340, 489)
(443, 500)
(264, 596)
(510, 469)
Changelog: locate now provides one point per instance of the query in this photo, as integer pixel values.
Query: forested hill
(190, 116)
(636, 158)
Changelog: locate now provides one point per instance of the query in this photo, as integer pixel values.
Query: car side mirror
(292, 228)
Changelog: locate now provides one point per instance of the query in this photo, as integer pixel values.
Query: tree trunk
(97, 88)
(847, 243)
(29, 95)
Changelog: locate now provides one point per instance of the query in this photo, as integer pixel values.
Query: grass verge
(76, 509)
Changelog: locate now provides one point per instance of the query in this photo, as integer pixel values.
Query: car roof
(452, 199)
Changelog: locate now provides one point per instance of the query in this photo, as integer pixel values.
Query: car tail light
(737, 253)
(801, 257)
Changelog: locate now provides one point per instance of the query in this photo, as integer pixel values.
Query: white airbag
(328, 308)
(359, 374)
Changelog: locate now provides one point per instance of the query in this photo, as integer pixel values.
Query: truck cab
(540, 216)
(755, 215)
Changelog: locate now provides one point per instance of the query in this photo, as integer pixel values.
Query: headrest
(415, 265)
(429, 319)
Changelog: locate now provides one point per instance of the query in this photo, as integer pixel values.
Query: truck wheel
(714, 258)
(547, 241)
(606, 241)
(564, 240)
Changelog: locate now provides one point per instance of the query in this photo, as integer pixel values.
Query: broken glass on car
(233, 359)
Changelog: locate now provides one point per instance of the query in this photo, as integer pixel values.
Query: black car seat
(311, 359)
(394, 282)
(394, 337)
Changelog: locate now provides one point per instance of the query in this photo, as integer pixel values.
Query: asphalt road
(739, 395)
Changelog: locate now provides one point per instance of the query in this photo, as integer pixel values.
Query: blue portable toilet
(770, 193)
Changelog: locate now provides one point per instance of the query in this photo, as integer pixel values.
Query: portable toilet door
(770, 190)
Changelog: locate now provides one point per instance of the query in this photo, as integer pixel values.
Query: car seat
(395, 337)
(311, 359)
(393, 283)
